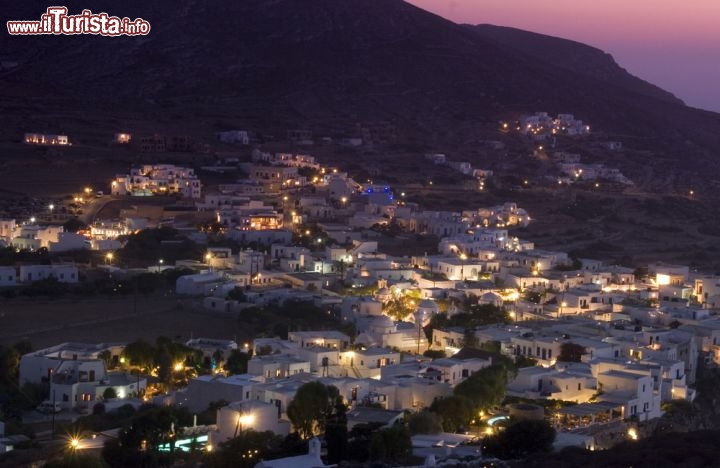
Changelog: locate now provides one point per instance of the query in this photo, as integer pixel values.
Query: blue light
(496, 419)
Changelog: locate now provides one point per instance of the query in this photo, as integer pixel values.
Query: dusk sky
(673, 44)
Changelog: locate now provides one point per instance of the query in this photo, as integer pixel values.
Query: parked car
(49, 407)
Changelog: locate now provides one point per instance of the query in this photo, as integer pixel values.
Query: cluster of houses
(573, 170)
(541, 125)
(46, 139)
(638, 339)
(462, 167)
(78, 375)
(31, 236)
(158, 179)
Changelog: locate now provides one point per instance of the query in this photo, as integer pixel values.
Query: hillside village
(597, 350)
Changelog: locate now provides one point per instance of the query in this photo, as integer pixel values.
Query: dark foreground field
(49, 322)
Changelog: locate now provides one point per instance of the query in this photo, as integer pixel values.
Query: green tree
(106, 357)
(309, 409)
(523, 361)
(425, 422)
(486, 387)
(359, 441)
(109, 393)
(9, 365)
(469, 339)
(236, 294)
(245, 450)
(400, 308)
(237, 362)
(336, 433)
(456, 411)
(435, 354)
(23, 347)
(75, 459)
(571, 352)
(391, 445)
(140, 353)
(520, 439)
(74, 225)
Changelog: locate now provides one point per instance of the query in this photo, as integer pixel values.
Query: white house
(8, 276)
(205, 389)
(277, 366)
(198, 284)
(241, 416)
(234, 136)
(62, 273)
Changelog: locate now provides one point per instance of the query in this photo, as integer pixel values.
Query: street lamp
(243, 421)
(109, 257)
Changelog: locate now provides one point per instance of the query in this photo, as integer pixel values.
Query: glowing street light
(245, 420)
(74, 443)
(51, 207)
(88, 190)
(109, 257)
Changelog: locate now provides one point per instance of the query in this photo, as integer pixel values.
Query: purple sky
(671, 43)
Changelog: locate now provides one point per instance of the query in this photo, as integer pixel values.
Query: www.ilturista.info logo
(57, 21)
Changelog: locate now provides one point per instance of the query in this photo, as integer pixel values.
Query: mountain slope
(572, 56)
(332, 63)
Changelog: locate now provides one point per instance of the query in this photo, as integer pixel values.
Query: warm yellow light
(109, 255)
(74, 442)
(209, 447)
(463, 256)
(179, 366)
(662, 279)
(632, 433)
(246, 419)
(88, 190)
(343, 199)
(208, 256)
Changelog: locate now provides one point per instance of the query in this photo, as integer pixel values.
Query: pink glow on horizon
(673, 44)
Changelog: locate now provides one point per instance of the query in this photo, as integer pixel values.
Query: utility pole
(52, 433)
